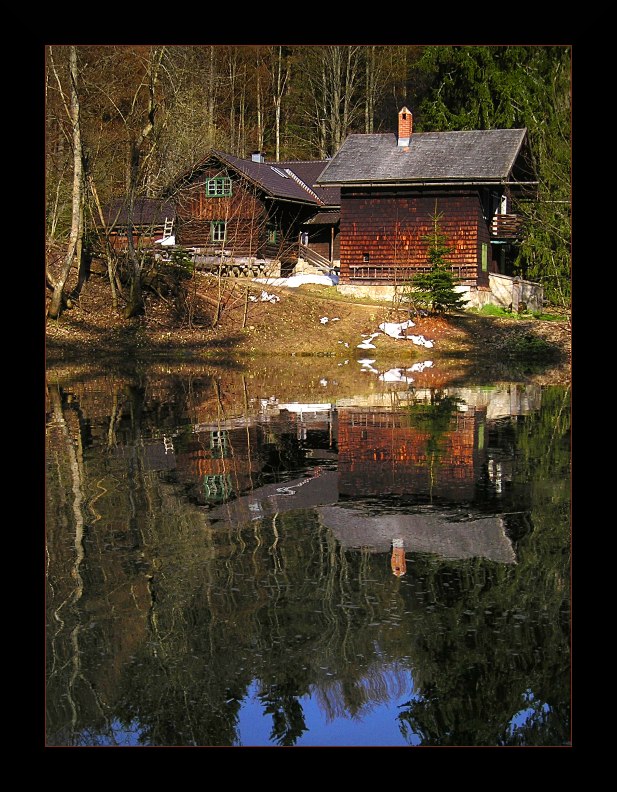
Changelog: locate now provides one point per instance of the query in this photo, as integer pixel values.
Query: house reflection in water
(424, 456)
(224, 459)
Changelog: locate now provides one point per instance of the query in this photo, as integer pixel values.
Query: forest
(123, 121)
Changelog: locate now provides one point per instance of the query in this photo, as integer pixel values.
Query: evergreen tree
(435, 289)
(505, 87)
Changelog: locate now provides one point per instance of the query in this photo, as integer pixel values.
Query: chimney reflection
(397, 560)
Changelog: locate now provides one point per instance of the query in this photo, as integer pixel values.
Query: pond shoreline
(304, 325)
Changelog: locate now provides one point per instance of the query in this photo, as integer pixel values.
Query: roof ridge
(297, 179)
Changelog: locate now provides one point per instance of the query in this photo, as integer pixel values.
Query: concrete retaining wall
(503, 291)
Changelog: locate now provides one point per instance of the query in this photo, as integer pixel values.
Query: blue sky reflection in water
(378, 727)
(232, 566)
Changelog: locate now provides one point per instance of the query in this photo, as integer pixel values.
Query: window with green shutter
(218, 187)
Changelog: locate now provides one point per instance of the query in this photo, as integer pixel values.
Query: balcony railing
(506, 226)
(393, 275)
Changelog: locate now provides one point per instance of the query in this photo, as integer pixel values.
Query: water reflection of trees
(161, 623)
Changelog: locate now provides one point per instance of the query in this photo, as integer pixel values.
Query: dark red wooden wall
(389, 228)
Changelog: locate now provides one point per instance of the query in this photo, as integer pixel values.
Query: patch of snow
(297, 280)
(421, 366)
(420, 341)
(265, 297)
(324, 320)
(323, 382)
(170, 240)
(395, 329)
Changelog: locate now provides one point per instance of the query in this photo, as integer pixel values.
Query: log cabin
(256, 216)
(393, 186)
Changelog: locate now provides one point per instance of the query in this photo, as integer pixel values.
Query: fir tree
(434, 290)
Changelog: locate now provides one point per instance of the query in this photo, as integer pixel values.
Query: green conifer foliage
(435, 289)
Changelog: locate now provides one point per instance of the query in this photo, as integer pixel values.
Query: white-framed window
(218, 230)
(218, 186)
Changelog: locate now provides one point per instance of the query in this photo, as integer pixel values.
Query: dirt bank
(310, 320)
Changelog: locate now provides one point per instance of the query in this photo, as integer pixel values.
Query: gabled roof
(480, 157)
(309, 171)
(288, 181)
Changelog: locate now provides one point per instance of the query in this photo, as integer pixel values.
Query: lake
(306, 553)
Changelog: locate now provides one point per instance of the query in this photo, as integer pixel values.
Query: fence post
(516, 294)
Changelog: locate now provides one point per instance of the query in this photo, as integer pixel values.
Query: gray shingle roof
(479, 536)
(479, 156)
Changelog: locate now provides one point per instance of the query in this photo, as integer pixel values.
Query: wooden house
(252, 215)
(153, 223)
(392, 186)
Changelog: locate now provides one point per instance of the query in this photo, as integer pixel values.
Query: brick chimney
(405, 126)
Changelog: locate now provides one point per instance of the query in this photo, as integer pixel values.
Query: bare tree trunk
(260, 122)
(135, 305)
(74, 246)
(369, 106)
(110, 266)
(279, 81)
(211, 98)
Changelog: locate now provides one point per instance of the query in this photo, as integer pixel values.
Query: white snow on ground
(265, 297)
(395, 329)
(297, 280)
(421, 366)
(420, 341)
(171, 240)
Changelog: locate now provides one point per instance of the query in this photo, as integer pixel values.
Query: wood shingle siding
(390, 231)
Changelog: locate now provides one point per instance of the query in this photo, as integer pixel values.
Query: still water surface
(232, 562)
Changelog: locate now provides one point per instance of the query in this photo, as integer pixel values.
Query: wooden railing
(399, 275)
(506, 226)
(314, 258)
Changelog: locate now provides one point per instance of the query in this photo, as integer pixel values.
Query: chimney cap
(405, 126)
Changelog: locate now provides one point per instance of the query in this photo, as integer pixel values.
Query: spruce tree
(434, 290)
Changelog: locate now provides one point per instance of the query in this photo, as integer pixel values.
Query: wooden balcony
(506, 226)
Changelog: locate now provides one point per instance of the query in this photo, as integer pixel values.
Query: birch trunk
(74, 246)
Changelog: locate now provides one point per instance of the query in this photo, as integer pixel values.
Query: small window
(366, 258)
(273, 234)
(218, 187)
(218, 229)
(484, 257)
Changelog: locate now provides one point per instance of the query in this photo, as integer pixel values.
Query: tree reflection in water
(161, 619)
